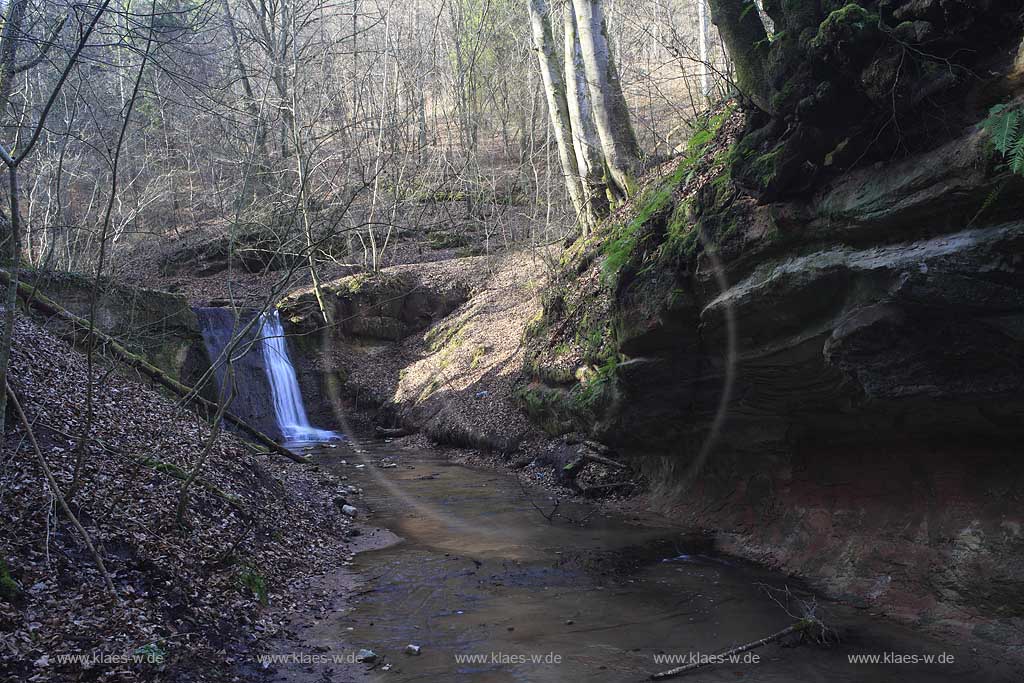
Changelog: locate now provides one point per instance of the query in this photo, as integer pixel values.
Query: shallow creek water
(493, 592)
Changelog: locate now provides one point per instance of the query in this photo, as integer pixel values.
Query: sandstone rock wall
(833, 385)
(159, 325)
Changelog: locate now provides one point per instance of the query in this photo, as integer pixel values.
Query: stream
(491, 592)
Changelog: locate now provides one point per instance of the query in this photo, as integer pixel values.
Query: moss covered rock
(161, 326)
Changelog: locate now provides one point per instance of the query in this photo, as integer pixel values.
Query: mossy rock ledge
(834, 384)
(161, 326)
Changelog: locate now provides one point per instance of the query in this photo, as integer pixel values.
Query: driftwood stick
(798, 627)
(40, 302)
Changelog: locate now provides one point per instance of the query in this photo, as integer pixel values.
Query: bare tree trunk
(585, 139)
(702, 46)
(11, 299)
(747, 43)
(621, 151)
(12, 244)
(558, 107)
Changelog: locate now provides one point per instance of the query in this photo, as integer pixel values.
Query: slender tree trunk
(618, 140)
(558, 107)
(702, 45)
(12, 243)
(585, 139)
(11, 299)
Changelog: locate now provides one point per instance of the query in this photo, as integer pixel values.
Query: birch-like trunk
(702, 43)
(558, 107)
(585, 140)
(618, 141)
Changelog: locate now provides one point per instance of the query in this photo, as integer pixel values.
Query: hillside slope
(256, 526)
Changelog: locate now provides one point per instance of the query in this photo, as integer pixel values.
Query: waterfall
(266, 392)
(284, 386)
(251, 390)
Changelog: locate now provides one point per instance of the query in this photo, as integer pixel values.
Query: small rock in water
(365, 655)
(349, 510)
(411, 649)
(569, 622)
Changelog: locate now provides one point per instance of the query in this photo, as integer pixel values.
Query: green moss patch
(9, 590)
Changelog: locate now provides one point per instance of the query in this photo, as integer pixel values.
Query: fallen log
(40, 302)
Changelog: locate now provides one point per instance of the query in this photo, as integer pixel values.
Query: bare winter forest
(323, 130)
(511, 340)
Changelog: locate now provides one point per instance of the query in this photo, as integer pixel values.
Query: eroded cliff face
(833, 384)
(159, 325)
(370, 314)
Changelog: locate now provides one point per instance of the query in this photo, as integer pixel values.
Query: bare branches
(808, 625)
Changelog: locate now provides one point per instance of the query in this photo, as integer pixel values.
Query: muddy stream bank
(460, 562)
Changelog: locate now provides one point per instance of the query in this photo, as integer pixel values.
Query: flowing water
(494, 592)
(250, 388)
(266, 392)
(284, 386)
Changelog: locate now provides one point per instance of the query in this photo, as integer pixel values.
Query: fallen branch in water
(807, 624)
(37, 300)
(801, 626)
(550, 516)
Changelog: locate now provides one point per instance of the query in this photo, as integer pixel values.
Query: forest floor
(189, 598)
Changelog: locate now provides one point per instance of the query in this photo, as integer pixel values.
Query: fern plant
(1006, 126)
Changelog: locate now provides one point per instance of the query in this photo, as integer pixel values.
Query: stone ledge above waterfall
(384, 306)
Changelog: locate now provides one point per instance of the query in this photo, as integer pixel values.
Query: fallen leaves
(180, 591)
